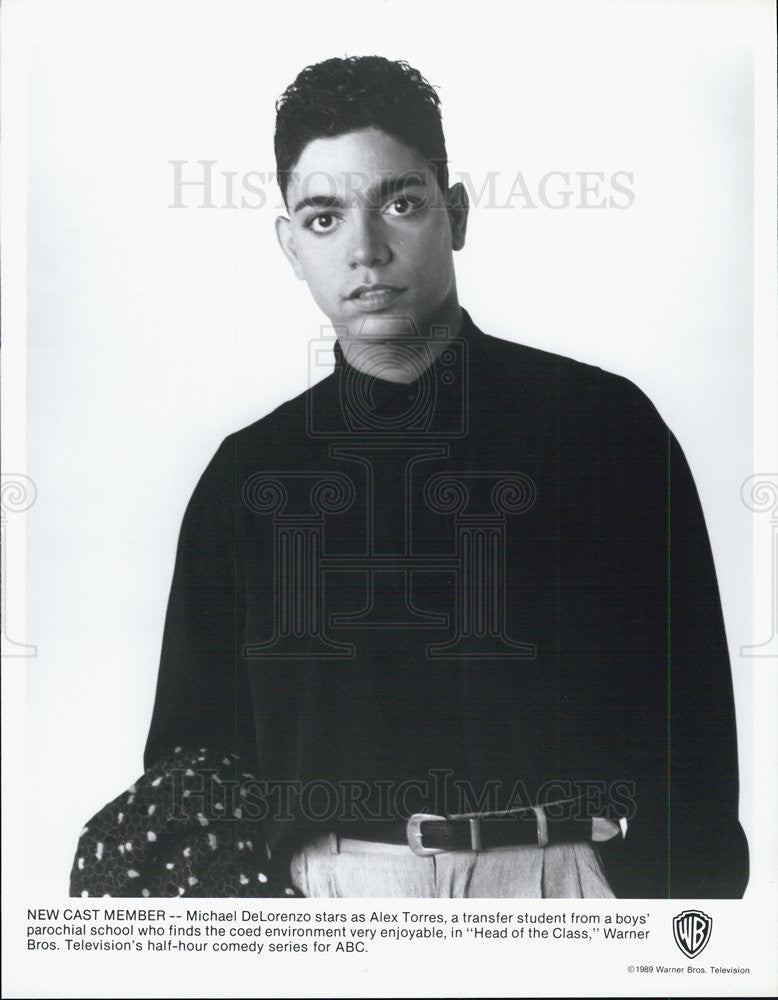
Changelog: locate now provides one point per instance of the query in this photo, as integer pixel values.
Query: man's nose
(369, 245)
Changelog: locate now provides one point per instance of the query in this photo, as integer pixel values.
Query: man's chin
(382, 328)
(394, 360)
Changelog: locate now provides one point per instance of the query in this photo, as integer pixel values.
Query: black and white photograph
(389, 498)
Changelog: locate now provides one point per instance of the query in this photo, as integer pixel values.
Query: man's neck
(405, 358)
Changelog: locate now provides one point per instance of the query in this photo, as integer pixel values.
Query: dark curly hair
(337, 96)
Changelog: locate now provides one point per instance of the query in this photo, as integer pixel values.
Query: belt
(428, 834)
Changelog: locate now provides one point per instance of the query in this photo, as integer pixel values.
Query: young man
(457, 578)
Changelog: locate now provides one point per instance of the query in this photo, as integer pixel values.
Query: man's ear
(457, 206)
(285, 238)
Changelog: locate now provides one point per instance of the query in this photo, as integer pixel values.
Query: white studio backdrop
(154, 331)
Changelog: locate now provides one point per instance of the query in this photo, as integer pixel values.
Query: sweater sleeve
(708, 854)
(685, 840)
(202, 694)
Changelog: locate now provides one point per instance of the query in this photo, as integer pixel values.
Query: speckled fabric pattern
(171, 834)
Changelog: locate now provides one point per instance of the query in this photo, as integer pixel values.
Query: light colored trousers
(332, 867)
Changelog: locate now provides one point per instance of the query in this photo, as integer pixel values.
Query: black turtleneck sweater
(490, 586)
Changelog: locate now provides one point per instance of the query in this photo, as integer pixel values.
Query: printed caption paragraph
(273, 931)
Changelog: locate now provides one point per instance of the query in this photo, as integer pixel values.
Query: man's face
(372, 234)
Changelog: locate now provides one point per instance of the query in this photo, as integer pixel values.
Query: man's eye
(402, 206)
(323, 223)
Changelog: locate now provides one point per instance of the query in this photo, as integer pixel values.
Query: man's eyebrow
(318, 201)
(391, 185)
(377, 194)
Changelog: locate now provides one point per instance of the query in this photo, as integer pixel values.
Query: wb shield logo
(691, 930)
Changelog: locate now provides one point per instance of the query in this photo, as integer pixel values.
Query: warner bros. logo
(691, 930)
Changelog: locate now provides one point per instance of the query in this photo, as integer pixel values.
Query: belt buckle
(413, 832)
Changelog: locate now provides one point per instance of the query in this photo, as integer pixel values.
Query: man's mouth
(375, 296)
